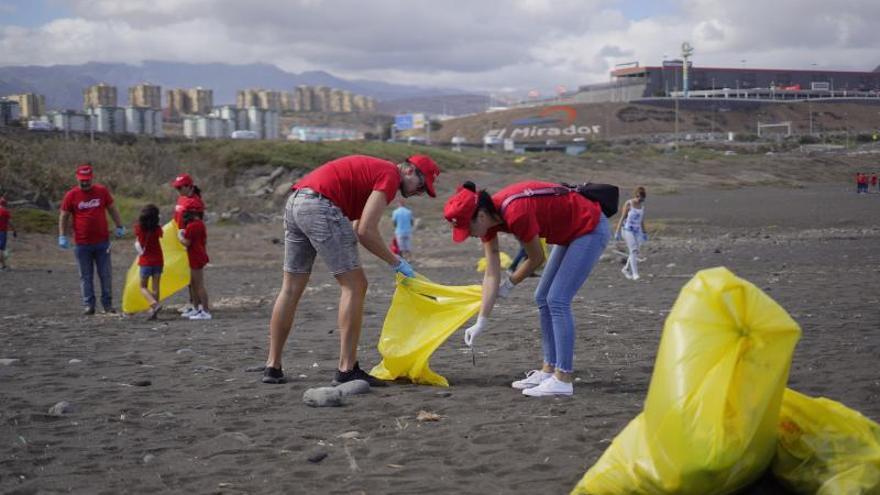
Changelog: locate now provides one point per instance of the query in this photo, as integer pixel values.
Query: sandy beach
(167, 406)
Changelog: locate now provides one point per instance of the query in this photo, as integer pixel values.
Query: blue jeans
(564, 274)
(89, 257)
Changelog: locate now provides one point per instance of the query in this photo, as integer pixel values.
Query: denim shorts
(314, 225)
(149, 271)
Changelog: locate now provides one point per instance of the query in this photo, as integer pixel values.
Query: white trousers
(633, 242)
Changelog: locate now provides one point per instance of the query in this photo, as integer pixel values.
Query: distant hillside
(436, 105)
(63, 84)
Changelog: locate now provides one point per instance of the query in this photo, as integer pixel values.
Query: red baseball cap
(428, 168)
(459, 210)
(84, 172)
(182, 180)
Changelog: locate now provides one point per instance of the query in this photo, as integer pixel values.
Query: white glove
(181, 236)
(476, 329)
(505, 287)
(138, 248)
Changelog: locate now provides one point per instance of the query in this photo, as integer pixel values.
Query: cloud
(456, 43)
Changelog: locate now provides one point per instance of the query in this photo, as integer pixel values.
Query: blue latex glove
(644, 237)
(120, 231)
(404, 268)
(63, 242)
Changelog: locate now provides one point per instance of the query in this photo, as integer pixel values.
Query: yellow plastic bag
(175, 274)
(826, 448)
(506, 261)
(503, 257)
(421, 317)
(709, 421)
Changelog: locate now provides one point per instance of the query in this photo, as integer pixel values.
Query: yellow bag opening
(421, 317)
(175, 274)
(710, 417)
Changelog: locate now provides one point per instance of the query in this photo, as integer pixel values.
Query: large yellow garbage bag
(175, 274)
(826, 448)
(421, 317)
(709, 421)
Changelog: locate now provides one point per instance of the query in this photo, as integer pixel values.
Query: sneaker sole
(555, 394)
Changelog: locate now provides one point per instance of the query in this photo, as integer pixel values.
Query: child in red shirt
(148, 232)
(5, 227)
(195, 237)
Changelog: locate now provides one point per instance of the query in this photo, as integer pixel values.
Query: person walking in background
(189, 197)
(579, 232)
(402, 218)
(874, 182)
(85, 208)
(195, 237)
(331, 209)
(148, 231)
(631, 228)
(861, 183)
(5, 227)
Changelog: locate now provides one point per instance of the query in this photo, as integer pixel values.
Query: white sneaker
(189, 313)
(636, 276)
(550, 387)
(626, 274)
(201, 315)
(533, 379)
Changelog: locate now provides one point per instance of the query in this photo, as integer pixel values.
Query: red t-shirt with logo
(197, 236)
(184, 203)
(89, 210)
(4, 219)
(152, 248)
(350, 180)
(559, 219)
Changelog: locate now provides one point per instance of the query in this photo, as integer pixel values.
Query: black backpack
(606, 195)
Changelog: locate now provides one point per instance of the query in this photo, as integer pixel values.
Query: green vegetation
(34, 220)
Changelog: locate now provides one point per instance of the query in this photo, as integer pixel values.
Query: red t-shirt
(873, 180)
(187, 203)
(198, 239)
(4, 219)
(559, 219)
(152, 248)
(349, 181)
(89, 210)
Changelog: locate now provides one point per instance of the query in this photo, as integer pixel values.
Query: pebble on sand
(8, 361)
(142, 383)
(61, 408)
(323, 397)
(317, 456)
(354, 387)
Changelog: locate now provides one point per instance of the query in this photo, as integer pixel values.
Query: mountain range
(62, 85)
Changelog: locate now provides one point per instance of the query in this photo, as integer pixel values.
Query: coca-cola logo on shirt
(88, 205)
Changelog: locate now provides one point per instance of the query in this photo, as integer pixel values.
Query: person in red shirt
(331, 209)
(5, 228)
(189, 197)
(531, 210)
(148, 231)
(874, 181)
(85, 207)
(195, 237)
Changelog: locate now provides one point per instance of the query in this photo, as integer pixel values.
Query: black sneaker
(357, 373)
(88, 311)
(109, 311)
(273, 376)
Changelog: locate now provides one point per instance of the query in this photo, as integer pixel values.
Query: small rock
(61, 408)
(443, 393)
(74, 361)
(185, 350)
(317, 456)
(670, 265)
(323, 397)
(8, 361)
(149, 458)
(354, 387)
(349, 435)
(717, 250)
(142, 383)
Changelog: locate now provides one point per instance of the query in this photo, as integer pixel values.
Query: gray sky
(478, 45)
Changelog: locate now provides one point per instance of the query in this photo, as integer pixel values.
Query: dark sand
(204, 425)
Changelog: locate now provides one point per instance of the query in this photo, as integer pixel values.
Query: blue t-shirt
(403, 220)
